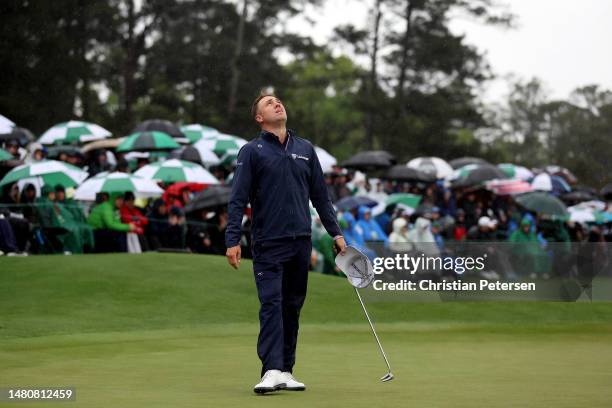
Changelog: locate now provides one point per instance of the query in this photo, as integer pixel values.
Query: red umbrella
(174, 194)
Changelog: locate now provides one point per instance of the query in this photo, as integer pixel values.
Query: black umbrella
(160, 125)
(606, 192)
(578, 196)
(22, 135)
(464, 161)
(348, 203)
(370, 160)
(478, 175)
(213, 196)
(405, 173)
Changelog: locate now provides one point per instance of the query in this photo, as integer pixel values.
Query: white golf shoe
(291, 384)
(272, 380)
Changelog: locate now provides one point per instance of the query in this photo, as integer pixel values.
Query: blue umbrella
(348, 203)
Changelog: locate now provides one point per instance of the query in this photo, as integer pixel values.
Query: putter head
(387, 377)
(356, 266)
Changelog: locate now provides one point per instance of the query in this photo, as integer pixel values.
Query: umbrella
(606, 191)
(370, 160)
(199, 154)
(4, 155)
(117, 183)
(554, 184)
(567, 175)
(508, 187)
(464, 161)
(22, 135)
(578, 196)
(176, 189)
(475, 174)
(348, 203)
(142, 141)
(6, 125)
(173, 170)
(405, 173)
(326, 160)
(542, 203)
(160, 125)
(50, 172)
(516, 172)
(220, 143)
(213, 196)
(433, 166)
(73, 131)
(229, 158)
(102, 144)
(404, 199)
(195, 132)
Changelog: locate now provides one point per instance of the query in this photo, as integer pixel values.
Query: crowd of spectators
(47, 221)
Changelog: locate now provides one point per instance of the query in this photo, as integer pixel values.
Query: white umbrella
(6, 125)
(327, 160)
(432, 165)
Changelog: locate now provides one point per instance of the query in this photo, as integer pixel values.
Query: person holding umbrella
(278, 172)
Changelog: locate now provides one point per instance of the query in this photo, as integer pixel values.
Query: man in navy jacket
(278, 173)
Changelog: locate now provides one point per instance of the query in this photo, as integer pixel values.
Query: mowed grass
(168, 330)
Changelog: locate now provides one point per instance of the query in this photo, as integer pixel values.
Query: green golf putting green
(168, 330)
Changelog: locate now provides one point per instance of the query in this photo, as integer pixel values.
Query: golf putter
(359, 272)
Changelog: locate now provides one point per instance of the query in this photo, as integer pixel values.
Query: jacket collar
(271, 137)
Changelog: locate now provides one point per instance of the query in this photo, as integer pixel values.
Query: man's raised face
(270, 109)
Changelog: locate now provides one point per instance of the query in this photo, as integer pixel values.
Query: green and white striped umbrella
(229, 157)
(117, 183)
(50, 172)
(221, 143)
(146, 141)
(73, 131)
(195, 132)
(4, 155)
(171, 171)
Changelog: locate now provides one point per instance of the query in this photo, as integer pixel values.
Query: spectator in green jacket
(109, 231)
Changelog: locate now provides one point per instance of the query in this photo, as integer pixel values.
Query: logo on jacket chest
(298, 156)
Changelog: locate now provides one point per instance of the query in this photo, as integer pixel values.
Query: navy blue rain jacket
(278, 179)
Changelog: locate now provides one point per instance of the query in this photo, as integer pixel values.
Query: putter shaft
(373, 330)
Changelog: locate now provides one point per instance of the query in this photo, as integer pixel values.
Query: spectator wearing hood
(421, 238)
(78, 236)
(368, 228)
(36, 152)
(351, 237)
(527, 253)
(131, 214)
(109, 231)
(398, 239)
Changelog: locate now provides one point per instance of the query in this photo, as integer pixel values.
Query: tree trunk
(131, 64)
(373, 80)
(404, 61)
(231, 104)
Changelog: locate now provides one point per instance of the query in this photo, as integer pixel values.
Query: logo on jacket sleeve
(297, 156)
